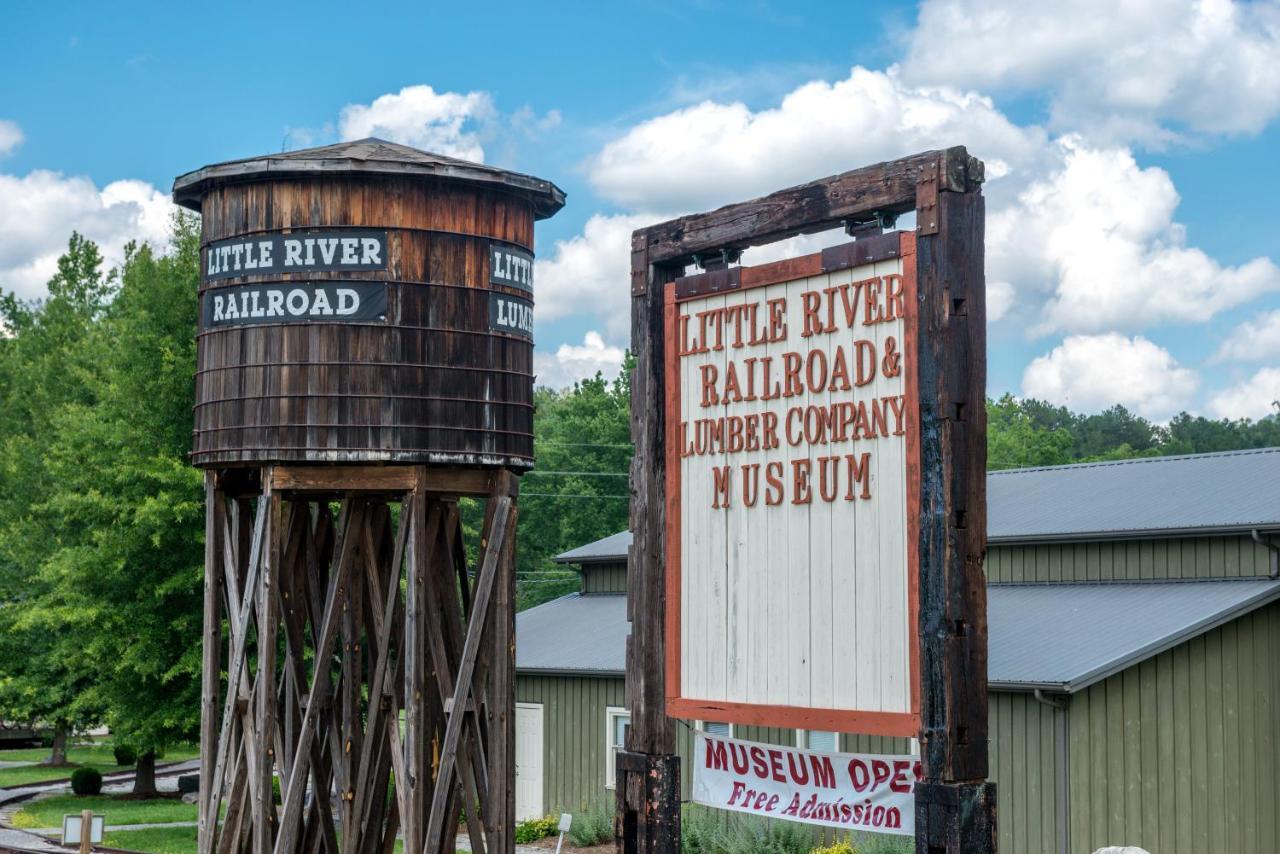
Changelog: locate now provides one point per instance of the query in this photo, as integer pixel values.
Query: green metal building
(1134, 622)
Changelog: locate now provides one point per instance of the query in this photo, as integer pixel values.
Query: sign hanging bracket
(878, 223)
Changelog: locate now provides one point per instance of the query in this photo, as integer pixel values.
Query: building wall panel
(1179, 753)
(604, 578)
(1129, 560)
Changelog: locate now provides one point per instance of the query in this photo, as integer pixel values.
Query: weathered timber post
(955, 806)
(365, 368)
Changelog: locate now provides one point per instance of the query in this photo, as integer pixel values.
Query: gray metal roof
(1227, 492)
(1196, 494)
(1057, 637)
(365, 156)
(1065, 637)
(610, 550)
(585, 635)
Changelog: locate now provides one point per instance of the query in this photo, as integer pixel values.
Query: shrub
(704, 832)
(535, 828)
(124, 754)
(593, 825)
(841, 847)
(86, 781)
(882, 843)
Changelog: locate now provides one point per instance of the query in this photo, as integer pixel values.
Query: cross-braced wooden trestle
(351, 655)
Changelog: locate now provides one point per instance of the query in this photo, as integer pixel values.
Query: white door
(528, 761)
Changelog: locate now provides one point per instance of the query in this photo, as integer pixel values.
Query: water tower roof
(365, 157)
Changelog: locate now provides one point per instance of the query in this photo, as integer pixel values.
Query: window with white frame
(813, 739)
(616, 722)
(716, 728)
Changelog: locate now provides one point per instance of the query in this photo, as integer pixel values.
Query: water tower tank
(365, 302)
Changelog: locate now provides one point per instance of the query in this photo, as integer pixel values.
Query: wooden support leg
(264, 808)
(357, 650)
(955, 809)
(648, 795)
(502, 695)
(417, 735)
(955, 818)
(211, 664)
(498, 552)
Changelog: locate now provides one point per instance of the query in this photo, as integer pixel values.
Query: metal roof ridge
(575, 594)
(1134, 582)
(1137, 460)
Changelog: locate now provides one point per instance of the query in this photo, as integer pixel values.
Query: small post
(566, 821)
(86, 831)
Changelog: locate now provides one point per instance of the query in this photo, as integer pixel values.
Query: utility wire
(565, 495)
(583, 473)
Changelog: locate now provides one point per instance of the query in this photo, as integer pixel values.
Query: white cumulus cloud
(1098, 240)
(1090, 372)
(448, 123)
(590, 273)
(10, 136)
(1253, 398)
(39, 211)
(1141, 69)
(573, 362)
(1254, 340)
(712, 153)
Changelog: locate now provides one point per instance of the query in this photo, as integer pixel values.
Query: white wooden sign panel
(792, 470)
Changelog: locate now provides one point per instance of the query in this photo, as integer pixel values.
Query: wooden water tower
(365, 363)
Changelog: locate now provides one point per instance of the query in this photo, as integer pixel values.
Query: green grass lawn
(166, 840)
(157, 840)
(97, 755)
(49, 811)
(44, 774)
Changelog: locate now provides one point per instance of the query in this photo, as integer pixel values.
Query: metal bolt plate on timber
(927, 201)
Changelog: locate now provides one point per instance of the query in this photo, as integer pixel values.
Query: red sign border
(904, 724)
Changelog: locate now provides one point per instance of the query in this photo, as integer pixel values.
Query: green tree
(47, 363)
(578, 492)
(1017, 439)
(1099, 436)
(130, 563)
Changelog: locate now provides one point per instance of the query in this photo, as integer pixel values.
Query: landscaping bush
(125, 755)
(86, 781)
(704, 832)
(869, 843)
(593, 825)
(841, 847)
(881, 843)
(535, 828)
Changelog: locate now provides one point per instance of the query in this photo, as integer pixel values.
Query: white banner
(845, 790)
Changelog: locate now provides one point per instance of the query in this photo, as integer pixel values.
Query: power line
(566, 495)
(584, 473)
(580, 444)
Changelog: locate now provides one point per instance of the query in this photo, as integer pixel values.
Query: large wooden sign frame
(955, 804)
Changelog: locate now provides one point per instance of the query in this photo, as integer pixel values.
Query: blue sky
(1131, 239)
